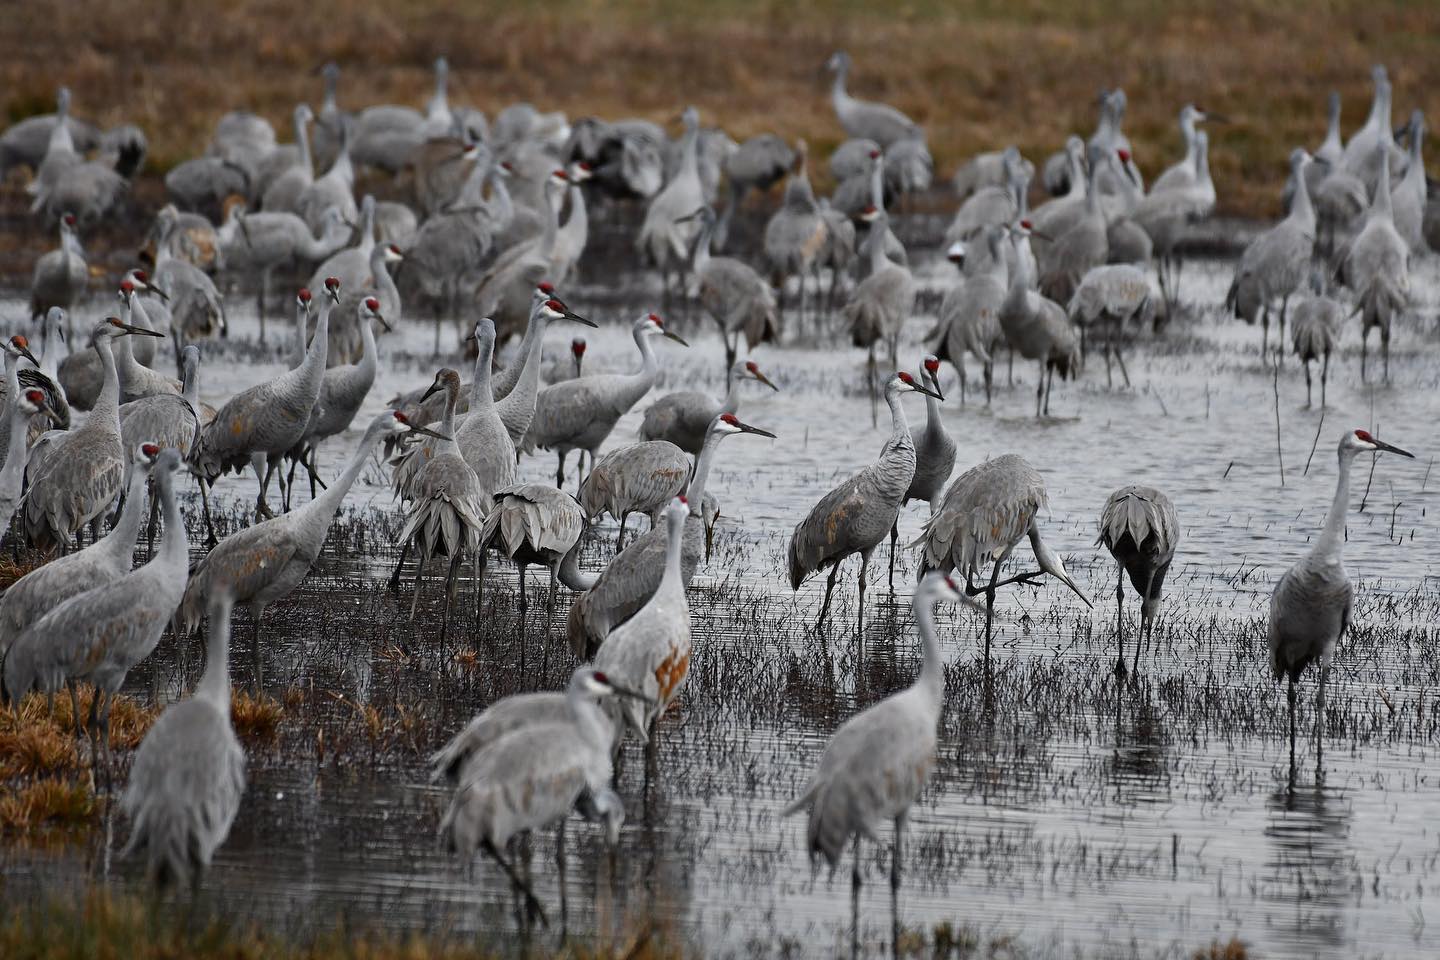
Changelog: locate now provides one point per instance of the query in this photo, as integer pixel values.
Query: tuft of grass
(42, 807)
(1231, 950)
(256, 719)
(12, 569)
(102, 923)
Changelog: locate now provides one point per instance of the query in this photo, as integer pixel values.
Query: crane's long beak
(133, 330)
(710, 537)
(757, 375)
(676, 337)
(158, 292)
(25, 352)
(746, 428)
(1042, 235)
(632, 694)
(921, 388)
(244, 230)
(570, 315)
(434, 389)
(383, 322)
(1051, 563)
(429, 433)
(1382, 445)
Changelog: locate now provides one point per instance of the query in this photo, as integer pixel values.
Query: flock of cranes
(483, 244)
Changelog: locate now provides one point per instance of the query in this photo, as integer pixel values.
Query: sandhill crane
(48, 586)
(67, 183)
(334, 189)
(1080, 247)
(343, 390)
(1110, 140)
(1377, 268)
(684, 417)
(136, 379)
(258, 243)
(284, 192)
(734, 295)
(351, 264)
(1374, 143)
(23, 144)
(85, 471)
(566, 368)
(1186, 173)
(862, 118)
(983, 515)
(1275, 263)
(1035, 326)
(795, 235)
(876, 764)
(533, 777)
(99, 635)
(1056, 216)
(534, 523)
(264, 562)
(758, 164)
(665, 238)
(934, 456)
(61, 275)
(1112, 297)
(1140, 528)
(448, 503)
(987, 170)
(166, 420)
(505, 293)
(579, 414)
(345, 336)
(269, 418)
(207, 185)
(517, 387)
(969, 315)
(1311, 605)
(1407, 200)
(1166, 212)
(632, 575)
(856, 516)
(196, 307)
(992, 205)
(883, 301)
(650, 652)
(1318, 321)
(908, 166)
(572, 235)
(189, 773)
(482, 439)
(639, 478)
(149, 312)
(12, 475)
(17, 348)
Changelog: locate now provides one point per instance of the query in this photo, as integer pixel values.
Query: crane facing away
(1140, 528)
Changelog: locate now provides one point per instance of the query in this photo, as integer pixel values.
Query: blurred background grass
(976, 73)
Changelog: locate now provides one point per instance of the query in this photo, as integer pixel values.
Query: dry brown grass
(976, 73)
(256, 719)
(1231, 950)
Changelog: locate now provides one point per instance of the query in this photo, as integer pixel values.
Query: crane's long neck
(70, 243)
(689, 164)
(1332, 130)
(302, 336)
(12, 381)
(120, 542)
(447, 421)
(384, 283)
(369, 354)
(1202, 163)
(367, 227)
(570, 573)
(675, 536)
(1332, 538)
(107, 404)
(1380, 205)
(302, 140)
(838, 96)
(732, 395)
(174, 553)
(877, 183)
(19, 422)
(325, 505)
(578, 223)
(500, 208)
(214, 684)
(1187, 133)
(190, 387)
(590, 720)
(1301, 210)
(649, 367)
(932, 670)
(875, 242)
(481, 395)
(314, 362)
(552, 222)
(695, 494)
(933, 423)
(1076, 164)
(899, 426)
(526, 358)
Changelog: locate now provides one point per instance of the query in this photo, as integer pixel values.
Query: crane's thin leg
(895, 883)
(989, 380)
(1364, 349)
(1040, 389)
(154, 522)
(829, 586)
(855, 901)
(620, 537)
(560, 868)
(1280, 333)
(1385, 348)
(211, 539)
(1120, 620)
(452, 584)
(399, 565)
(860, 615)
(990, 610)
(870, 382)
(1324, 375)
(532, 903)
(560, 472)
(1049, 389)
(289, 483)
(1264, 331)
(479, 581)
(415, 593)
(524, 607)
(549, 619)
(1145, 627)
(1010, 369)
(1120, 359)
(1308, 400)
(262, 509)
(894, 535)
(1320, 710)
(1290, 693)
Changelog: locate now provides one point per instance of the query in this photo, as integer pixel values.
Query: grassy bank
(976, 73)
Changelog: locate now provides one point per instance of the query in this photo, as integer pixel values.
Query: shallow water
(1063, 813)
